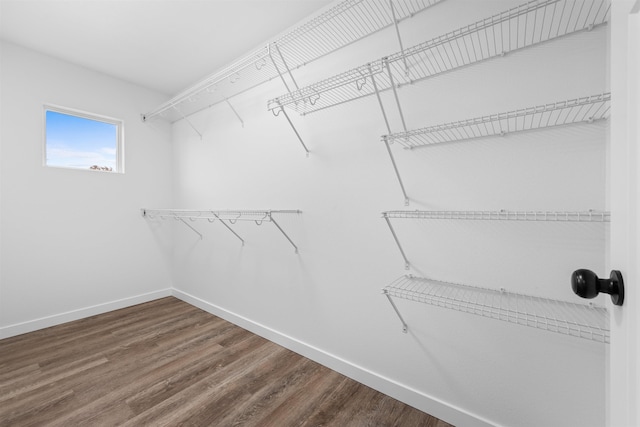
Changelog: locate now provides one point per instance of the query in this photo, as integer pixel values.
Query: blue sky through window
(78, 142)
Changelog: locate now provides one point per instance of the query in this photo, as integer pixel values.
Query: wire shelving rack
(590, 216)
(583, 321)
(505, 215)
(225, 217)
(345, 23)
(581, 110)
(523, 26)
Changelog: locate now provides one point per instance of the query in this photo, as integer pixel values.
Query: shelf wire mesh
(343, 24)
(583, 321)
(581, 110)
(504, 215)
(228, 215)
(523, 26)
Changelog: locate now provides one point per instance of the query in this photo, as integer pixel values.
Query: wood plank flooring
(167, 363)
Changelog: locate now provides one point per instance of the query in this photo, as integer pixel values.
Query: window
(78, 140)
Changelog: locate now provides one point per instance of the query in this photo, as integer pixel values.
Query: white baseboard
(403, 393)
(57, 319)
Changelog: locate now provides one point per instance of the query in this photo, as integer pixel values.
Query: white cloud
(65, 157)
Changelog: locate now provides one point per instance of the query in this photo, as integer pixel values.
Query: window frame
(118, 123)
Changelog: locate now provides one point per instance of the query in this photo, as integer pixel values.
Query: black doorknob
(586, 284)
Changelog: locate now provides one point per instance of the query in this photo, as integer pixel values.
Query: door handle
(586, 284)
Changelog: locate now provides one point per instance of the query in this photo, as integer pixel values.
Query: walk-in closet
(425, 211)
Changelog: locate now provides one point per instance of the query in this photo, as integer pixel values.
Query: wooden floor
(168, 363)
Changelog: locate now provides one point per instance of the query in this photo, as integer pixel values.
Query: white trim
(69, 316)
(623, 368)
(401, 392)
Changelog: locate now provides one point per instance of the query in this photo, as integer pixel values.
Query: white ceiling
(165, 45)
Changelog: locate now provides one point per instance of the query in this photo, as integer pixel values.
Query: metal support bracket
(395, 168)
(234, 111)
(395, 24)
(386, 122)
(395, 237)
(286, 66)
(288, 90)
(293, 127)
(395, 95)
(188, 121)
(278, 69)
(404, 324)
(228, 227)
(283, 233)
(190, 226)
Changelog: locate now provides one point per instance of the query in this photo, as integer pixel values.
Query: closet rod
(231, 216)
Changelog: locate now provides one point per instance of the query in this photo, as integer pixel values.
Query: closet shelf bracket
(283, 233)
(235, 112)
(284, 63)
(395, 24)
(175, 107)
(275, 65)
(395, 237)
(227, 226)
(190, 226)
(395, 308)
(395, 168)
(386, 122)
(276, 112)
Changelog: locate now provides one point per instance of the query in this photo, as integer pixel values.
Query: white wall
(74, 242)
(326, 302)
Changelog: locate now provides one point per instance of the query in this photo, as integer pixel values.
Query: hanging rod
(581, 110)
(225, 217)
(583, 321)
(345, 23)
(504, 215)
(523, 26)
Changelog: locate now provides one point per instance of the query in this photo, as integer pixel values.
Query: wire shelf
(583, 321)
(225, 217)
(504, 215)
(343, 24)
(242, 75)
(527, 25)
(590, 216)
(581, 110)
(230, 215)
